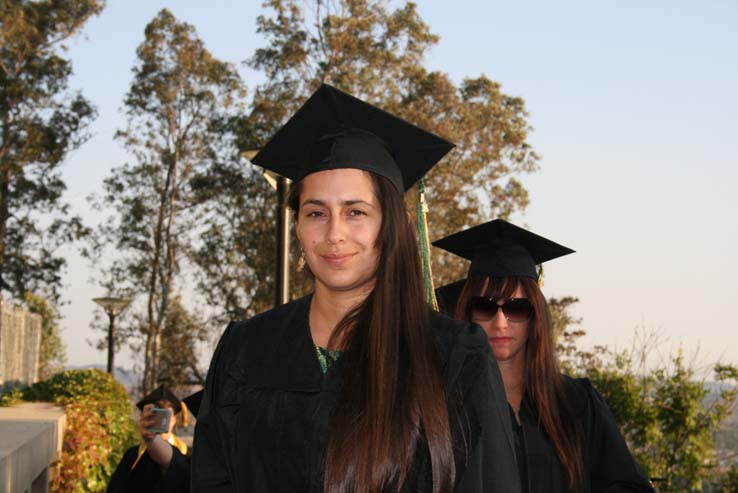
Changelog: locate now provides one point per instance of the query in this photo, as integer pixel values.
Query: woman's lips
(337, 259)
(500, 340)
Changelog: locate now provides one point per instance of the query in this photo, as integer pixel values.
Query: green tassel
(430, 292)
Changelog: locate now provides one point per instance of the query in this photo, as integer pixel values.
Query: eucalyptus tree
(176, 107)
(41, 122)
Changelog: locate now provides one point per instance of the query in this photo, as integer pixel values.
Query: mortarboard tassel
(540, 276)
(430, 293)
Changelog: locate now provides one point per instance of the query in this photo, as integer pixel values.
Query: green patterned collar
(326, 357)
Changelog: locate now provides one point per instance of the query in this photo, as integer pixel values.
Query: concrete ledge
(31, 437)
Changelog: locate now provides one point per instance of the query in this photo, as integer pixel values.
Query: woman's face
(506, 338)
(337, 226)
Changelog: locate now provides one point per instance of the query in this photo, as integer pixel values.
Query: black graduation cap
(335, 130)
(193, 401)
(501, 249)
(161, 392)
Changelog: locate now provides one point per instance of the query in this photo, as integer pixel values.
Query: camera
(161, 418)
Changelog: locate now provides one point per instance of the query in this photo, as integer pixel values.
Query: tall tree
(377, 53)
(41, 121)
(177, 104)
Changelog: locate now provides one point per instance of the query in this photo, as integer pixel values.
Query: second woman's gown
(608, 465)
(263, 423)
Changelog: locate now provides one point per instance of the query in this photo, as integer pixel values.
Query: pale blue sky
(635, 114)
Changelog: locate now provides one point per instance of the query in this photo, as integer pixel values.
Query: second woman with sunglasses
(566, 436)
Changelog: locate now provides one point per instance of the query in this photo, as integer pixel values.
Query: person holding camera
(161, 463)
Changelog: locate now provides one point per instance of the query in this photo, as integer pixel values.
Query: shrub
(11, 397)
(99, 427)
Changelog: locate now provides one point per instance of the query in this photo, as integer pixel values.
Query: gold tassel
(185, 414)
(540, 276)
(422, 210)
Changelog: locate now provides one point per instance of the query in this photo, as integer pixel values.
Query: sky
(634, 113)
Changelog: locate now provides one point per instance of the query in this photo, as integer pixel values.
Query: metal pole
(282, 281)
(111, 328)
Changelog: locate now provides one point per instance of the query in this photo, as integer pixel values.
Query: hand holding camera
(154, 420)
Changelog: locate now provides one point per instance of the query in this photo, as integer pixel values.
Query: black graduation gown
(147, 477)
(264, 417)
(608, 465)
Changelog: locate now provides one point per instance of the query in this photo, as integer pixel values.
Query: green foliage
(42, 121)
(52, 353)
(178, 351)
(666, 413)
(11, 397)
(668, 418)
(99, 427)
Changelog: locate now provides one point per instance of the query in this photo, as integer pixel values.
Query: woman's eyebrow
(314, 202)
(356, 201)
(321, 203)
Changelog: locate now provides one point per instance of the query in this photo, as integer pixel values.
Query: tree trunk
(153, 326)
(161, 276)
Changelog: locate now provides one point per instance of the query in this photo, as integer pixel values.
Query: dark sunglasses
(514, 309)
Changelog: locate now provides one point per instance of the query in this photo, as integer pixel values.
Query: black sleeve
(613, 469)
(176, 479)
(211, 456)
(490, 464)
(119, 481)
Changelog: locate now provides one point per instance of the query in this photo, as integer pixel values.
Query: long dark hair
(393, 386)
(545, 386)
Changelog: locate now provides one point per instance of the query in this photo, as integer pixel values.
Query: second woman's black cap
(501, 249)
(334, 130)
(162, 392)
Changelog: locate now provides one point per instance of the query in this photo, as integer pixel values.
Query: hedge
(99, 427)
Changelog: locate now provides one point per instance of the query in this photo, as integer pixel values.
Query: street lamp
(282, 186)
(113, 307)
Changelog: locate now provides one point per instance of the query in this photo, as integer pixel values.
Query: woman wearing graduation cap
(565, 435)
(357, 387)
(160, 463)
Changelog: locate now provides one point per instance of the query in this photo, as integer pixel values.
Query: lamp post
(282, 279)
(113, 307)
(282, 186)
